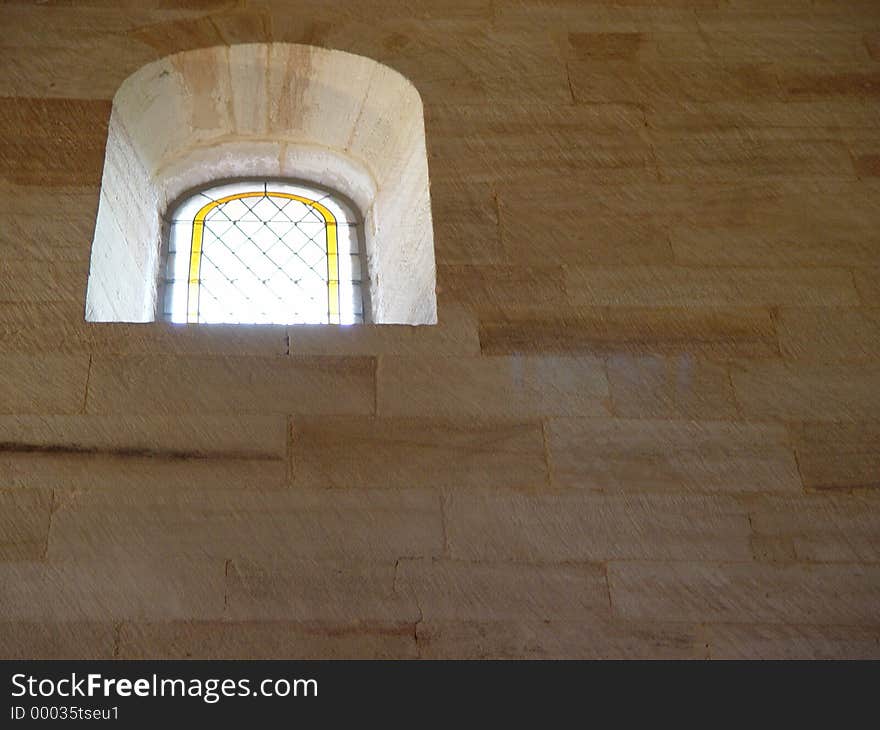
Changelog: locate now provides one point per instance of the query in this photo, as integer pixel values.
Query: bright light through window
(264, 253)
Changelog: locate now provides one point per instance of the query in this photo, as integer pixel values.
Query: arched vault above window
(329, 120)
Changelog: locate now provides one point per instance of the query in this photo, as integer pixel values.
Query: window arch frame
(356, 218)
(224, 111)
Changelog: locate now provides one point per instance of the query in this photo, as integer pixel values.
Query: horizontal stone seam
(7, 447)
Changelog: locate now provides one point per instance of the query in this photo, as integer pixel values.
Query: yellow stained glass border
(195, 254)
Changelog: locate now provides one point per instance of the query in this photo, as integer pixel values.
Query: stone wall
(646, 424)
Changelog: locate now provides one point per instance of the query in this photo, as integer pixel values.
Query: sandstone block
(43, 383)
(582, 528)
(301, 384)
(405, 452)
(670, 387)
(613, 455)
(250, 523)
(461, 591)
(746, 593)
(24, 523)
(308, 591)
(491, 387)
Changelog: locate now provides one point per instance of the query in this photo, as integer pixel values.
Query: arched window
(264, 252)
(273, 115)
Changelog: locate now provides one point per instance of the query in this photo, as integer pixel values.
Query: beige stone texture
(491, 386)
(24, 523)
(814, 334)
(585, 528)
(101, 590)
(683, 386)
(168, 385)
(130, 435)
(285, 589)
(644, 426)
(245, 523)
(820, 392)
(868, 286)
(645, 455)
(678, 287)
(775, 641)
(283, 639)
(838, 456)
(44, 383)
(29, 640)
(822, 529)
(404, 453)
(843, 594)
(56, 468)
(554, 639)
(451, 590)
(717, 333)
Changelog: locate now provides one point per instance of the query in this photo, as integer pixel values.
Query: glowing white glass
(263, 257)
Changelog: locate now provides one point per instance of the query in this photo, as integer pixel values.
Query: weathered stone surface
(493, 387)
(826, 335)
(867, 165)
(46, 238)
(806, 47)
(43, 384)
(105, 590)
(549, 229)
(614, 455)
(822, 529)
(825, 16)
(24, 523)
(472, 65)
(455, 333)
(488, 288)
(300, 384)
(553, 639)
(712, 332)
(758, 114)
(652, 286)
(583, 528)
(817, 392)
(776, 641)
(463, 591)
(280, 639)
(730, 154)
(178, 436)
(526, 145)
(829, 243)
(48, 470)
(43, 141)
(572, 15)
(250, 523)
(332, 592)
(80, 71)
(35, 640)
(855, 80)
(839, 455)
(42, 327)
(26, 282)
(670, 387)
(405, 452)
(845, 594)
(868, 285)
(626, 81)
(466, 223)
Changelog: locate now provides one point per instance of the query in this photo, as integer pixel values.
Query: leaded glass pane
(266, 253)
